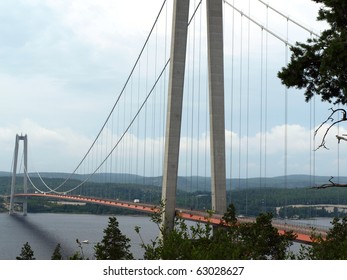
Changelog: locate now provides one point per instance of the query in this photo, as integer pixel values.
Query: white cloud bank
(281, 150)
(63, 62)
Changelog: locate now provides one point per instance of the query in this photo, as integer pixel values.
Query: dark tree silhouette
(26, 253)
(319, 66)
(57, 253)
(332, 247)
(114, 245)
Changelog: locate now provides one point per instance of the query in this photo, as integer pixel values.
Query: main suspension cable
(259, 24)
(289, 19)
(118, 98)
(125, 131)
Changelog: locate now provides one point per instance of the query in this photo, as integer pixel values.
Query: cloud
(272, 154)
(49, 149)
(102, 24)
(70, 40)
(261, 154)
(64, 62)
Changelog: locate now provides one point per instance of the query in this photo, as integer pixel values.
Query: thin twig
(330, 118)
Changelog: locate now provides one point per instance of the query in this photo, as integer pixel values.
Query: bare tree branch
(331, 119)
(330, 185)
(339, 138)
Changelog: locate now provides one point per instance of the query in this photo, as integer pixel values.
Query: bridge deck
(303, 232)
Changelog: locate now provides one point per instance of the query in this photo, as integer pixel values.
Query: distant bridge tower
(14, 173)
(174, 110)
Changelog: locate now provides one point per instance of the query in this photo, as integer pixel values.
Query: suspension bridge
(201, 100)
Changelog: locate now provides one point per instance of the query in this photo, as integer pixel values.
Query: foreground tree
(57, 253)
(319, 66)
(114, 245)
(258, 240)
(332, 247)
(26, 253)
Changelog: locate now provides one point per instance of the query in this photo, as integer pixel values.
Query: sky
(63, 64)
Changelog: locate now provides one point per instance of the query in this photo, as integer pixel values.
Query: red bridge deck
(303, 232)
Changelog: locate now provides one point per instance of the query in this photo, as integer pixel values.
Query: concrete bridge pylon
(216, 106)
(14, 173)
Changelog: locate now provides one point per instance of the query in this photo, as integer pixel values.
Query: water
(45, 231)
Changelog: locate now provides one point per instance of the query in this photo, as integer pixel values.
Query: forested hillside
(247, 201)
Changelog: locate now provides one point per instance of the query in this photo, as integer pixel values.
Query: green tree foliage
(333, 247)
(76, 256)
(114, 245)
(320, 65)
(260, 240)
(233, 240)
(57, 253)
(26, 253)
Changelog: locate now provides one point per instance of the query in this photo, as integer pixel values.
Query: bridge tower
(216, 106)
(14, 173)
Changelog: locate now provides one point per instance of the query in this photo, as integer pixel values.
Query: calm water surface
(45, 231)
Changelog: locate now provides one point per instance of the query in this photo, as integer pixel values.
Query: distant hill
(290, 181)
(197, 183)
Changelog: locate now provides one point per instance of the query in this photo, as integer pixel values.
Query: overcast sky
(63, 64)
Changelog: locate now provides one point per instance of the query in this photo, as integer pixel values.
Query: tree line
(248, 202)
